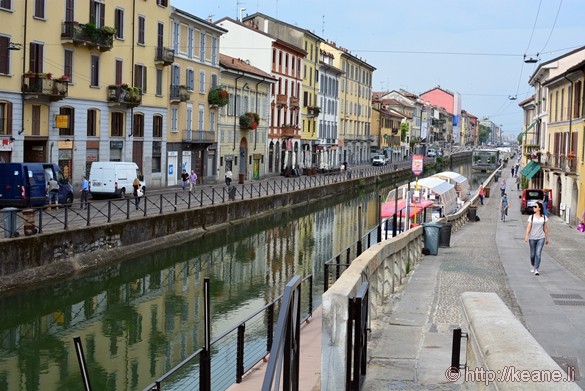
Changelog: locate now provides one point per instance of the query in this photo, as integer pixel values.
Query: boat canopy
(389, 208)
(436, 185)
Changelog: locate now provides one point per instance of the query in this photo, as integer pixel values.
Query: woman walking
(536, 236)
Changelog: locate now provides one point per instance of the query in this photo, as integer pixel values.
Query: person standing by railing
(192, 180)
(84, 192)
(228, 177)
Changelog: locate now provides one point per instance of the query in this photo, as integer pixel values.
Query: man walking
(503, 187)
(84, 192)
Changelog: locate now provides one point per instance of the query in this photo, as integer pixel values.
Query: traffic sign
(417, 164)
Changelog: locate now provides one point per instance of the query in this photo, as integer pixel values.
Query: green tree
(484, 133)
(403, 131)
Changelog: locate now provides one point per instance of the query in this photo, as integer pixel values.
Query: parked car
(529, 198)
(113, 179)
(379, 160)
(24, 185)
(431, 152)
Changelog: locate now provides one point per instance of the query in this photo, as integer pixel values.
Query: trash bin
(9, 215)
(486, 192)
(241, 179)
(445, 235)
(431, 231)
(472, 213)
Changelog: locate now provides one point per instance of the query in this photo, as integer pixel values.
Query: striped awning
(530, 169)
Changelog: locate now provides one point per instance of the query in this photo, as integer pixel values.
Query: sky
(473, 47)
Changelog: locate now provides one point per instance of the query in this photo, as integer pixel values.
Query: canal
(140, 318)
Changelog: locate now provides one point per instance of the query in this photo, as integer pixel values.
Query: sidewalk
(410, 346)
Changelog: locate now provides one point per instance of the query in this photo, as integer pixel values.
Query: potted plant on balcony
(249, 121)
(218, 97)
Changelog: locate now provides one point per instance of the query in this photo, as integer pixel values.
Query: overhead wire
(553, 26)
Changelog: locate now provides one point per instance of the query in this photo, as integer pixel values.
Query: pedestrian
(480, 194)
(517, 183)
(503, 207)
(512, 171)
(192, 180)
(545, 201)
(136, 186)
(537, 236)
(53, 192)
(184, 179)
(503, 187)
(228, 177)
(84, 192)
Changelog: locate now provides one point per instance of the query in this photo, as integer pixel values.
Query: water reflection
(140, 318)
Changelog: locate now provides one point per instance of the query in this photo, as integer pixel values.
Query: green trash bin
(432, 231)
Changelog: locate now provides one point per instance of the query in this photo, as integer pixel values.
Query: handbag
(581, 227)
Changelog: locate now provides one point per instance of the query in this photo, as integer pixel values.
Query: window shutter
(8, 118)
(92, 12)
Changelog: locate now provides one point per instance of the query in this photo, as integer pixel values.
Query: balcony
(281, 100)
(562, 162)
(42, 85)
(313, 111)
(179, 94)
(101, 38)
(124, 95)
(198, 136)
(294, 102)
(289, 131)
(164, 56)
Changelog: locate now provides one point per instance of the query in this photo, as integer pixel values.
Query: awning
(530, 169)
(415, 208)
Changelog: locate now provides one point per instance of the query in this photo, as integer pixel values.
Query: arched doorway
(243, 166)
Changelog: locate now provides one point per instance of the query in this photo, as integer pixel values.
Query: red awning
(415, 208)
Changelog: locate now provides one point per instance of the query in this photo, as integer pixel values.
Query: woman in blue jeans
(536, 236)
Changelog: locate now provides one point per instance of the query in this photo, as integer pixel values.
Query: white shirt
(537, 229)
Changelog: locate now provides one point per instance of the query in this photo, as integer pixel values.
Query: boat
(431, 192)
(462, 187)
(485, 159)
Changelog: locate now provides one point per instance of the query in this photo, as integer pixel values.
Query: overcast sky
(473, 47)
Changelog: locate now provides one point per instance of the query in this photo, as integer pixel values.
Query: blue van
(24, 185)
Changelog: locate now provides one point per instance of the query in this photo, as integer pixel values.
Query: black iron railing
(357, 339)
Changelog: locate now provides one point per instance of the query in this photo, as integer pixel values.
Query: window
(141, 28)
(69, 10)
(97, 13)
(95, 71)
(189, 117)
(138, 125)
(40, 9)
(162, 3)
(140, 77)
(156, 156)
(212, 121)
(119, 23)
(70, 113)
(190, 38)
(36, 120)
(118, 72)
(159, 77)
(190, 79)
(176, 37)
(157, 126)
(213, 81)
(4, 55)
(6, 4)
(117, 126)
(201, 117)
(5, 118)
(202, 82)
(68, 64)
(577, 100)
(36, 58)
(92, 122)
(174, 119)
(214, 51)
(231, 105)
(202, 47)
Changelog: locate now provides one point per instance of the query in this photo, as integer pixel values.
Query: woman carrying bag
(536, 236)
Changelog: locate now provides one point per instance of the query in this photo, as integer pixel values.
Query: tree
(484, 133)
(403, 131)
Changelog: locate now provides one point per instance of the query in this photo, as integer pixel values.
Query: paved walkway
(411, 342)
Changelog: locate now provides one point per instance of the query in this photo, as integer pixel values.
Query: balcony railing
(562, 162)
(294, 102)
(313, 111)
(164, 56)
(41, 84)
(101, 38)
(198, 136)
(289, 131)
(129, 96)
(281, 99)
(180, 93)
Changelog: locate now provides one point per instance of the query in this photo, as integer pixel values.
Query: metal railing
(43, 219)
(357, 339)
(236, 351)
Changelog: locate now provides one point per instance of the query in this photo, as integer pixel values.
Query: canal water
(140, 318)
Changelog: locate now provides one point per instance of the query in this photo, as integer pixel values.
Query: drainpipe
(24, 48)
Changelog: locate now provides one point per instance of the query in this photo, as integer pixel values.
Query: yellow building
(91, 76)
(564, 160)
(244, 122)
(193, 121)
(355, 109)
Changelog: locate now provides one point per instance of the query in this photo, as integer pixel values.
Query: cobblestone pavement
(410, 346)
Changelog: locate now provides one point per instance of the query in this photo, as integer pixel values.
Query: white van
(113, 179)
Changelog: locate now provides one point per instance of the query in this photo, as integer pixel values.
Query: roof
(237, 64)
(451, 175)
(437, 185)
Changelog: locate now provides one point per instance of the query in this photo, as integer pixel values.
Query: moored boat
(462, 187)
